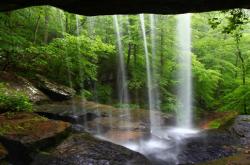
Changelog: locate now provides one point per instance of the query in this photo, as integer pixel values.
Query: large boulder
(207, 146)
(97, 7)
(53, 90)
(84, 149)
(21, 84)
(241, 128)
(25, 133)
(202, 147)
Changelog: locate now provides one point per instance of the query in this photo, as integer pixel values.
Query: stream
(168, 145)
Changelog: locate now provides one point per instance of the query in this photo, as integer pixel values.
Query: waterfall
(78, 28)
(91, 33)
(91, 26)
(154, 120)
(184, 112)
(122, 74)
(153, 35)
(61, 17)
(155, 83)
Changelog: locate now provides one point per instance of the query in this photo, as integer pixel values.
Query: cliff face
(106, 7)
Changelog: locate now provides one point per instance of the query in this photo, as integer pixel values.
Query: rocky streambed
(107, 123)
(62, 133)
(31, 139)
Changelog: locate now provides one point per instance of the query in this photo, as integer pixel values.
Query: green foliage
(86, 94)
(169, 103)
(81, 52)
(230, 20)
(15, 101)
(69, 60)
(232, 23)
(127, 106)
(75, 56)
(214, 124)
(205, 83)
(104, 93)
(235, 99)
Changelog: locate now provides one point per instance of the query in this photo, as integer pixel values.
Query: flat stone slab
(24, 133)
(84, 149)
(70, 113)
(28, 128)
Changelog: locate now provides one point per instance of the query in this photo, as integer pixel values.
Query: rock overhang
(108, 7)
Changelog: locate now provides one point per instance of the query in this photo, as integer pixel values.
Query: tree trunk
(8, 21)
(135, 55)
(236, 64)
(7, 62)
(243, 68)
(46, 27)
(162, 55)
(37, 27)
(106, 36)
(129, 55)
(67, 24)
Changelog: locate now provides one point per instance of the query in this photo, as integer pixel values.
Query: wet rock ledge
(32, 139)
(54, 90)
(83, 149)
(24, 134)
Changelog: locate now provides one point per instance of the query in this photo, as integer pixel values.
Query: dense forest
(69, 81)
(73, 50)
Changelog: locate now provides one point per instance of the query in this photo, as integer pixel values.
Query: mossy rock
(24, 133)
(237, 159)
(18, 83)
(221, 120)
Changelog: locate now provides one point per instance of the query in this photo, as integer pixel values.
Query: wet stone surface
(208, 147)
(25, 133)
(111, 125)
(68, 113)
(83, 149)
(203, 147)
(241, 128)
(53, 90)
